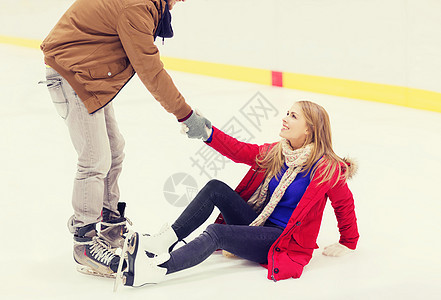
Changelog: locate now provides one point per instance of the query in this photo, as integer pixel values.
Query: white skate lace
(100, 251)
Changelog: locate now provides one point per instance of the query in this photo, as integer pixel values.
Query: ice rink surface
(396, 191)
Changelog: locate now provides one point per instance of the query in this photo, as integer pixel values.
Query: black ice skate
(93, 255)
(114, 230)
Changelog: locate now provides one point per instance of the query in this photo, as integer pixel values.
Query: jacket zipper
(272, 267)
(275, 246)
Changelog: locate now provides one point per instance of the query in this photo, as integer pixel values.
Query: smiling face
(294, 127)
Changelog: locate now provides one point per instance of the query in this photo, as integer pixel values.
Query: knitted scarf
(295, 159)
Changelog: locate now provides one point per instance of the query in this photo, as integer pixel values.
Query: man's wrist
(186, 117)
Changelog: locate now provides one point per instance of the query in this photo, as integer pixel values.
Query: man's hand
(197, 126)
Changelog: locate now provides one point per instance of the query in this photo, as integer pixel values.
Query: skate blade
(119, 278)
(89, 271)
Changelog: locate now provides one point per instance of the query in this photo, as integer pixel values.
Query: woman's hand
(336, 250)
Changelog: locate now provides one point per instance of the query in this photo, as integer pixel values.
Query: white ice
(396, 192)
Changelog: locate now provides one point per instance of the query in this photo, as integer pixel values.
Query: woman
(285, 193)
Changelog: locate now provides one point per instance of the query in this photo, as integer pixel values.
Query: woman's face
(294, 127)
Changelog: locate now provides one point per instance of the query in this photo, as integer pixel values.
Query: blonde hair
(319, 126)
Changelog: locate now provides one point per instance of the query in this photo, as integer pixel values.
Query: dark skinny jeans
(249, 242)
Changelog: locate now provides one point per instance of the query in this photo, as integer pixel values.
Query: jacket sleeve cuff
(186, 117)
(211, 136)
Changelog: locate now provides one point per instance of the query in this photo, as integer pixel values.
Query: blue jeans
(249, 242)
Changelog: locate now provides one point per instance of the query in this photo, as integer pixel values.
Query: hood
(352, 166)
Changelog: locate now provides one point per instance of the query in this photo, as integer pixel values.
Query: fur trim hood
(352, 166)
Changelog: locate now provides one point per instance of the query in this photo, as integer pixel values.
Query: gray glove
(197, 126)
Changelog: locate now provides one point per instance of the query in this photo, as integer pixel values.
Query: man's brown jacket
(98, 45)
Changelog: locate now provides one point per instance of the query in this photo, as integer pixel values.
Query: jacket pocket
(108, 70)
(300, 253)
(304, 241)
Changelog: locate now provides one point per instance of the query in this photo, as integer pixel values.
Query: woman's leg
(214, 194)
(252, 243)
(249, 242)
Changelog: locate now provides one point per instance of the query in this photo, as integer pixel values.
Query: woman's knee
(215, 184)
(218, 187)
(215, 232)
(222, 235)
(217, 192)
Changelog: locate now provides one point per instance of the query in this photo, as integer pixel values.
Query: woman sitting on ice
(285, 193)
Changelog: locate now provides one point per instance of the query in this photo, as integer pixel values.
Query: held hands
(197, 126)
(336, 250)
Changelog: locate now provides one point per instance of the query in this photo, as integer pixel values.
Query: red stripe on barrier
(277, 78)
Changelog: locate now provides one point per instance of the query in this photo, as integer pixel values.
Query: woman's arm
(239, 152)
(343, 203)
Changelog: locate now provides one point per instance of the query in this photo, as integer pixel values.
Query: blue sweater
(284, 209)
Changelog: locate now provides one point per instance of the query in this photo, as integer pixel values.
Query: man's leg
(117, 143)
(89, 137)
(114, 222)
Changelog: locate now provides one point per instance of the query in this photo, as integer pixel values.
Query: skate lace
(122, 224)
(100, 251)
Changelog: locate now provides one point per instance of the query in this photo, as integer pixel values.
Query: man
(91, 53)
